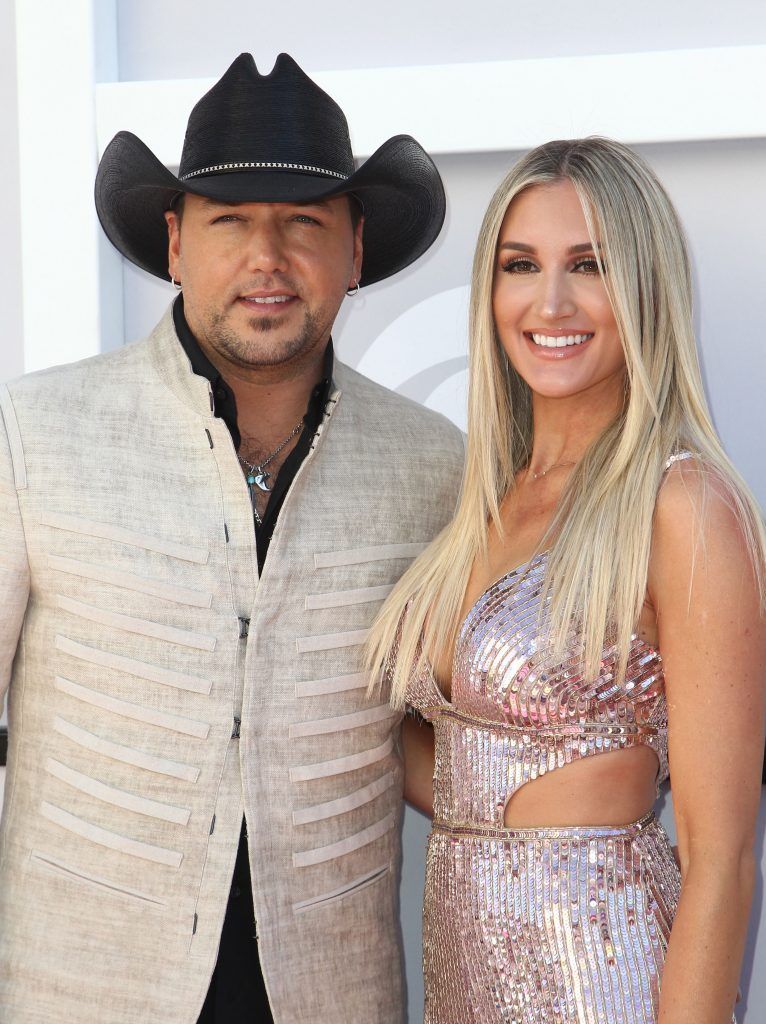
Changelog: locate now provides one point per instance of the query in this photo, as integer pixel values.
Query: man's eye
(226, 218)
(519, 266)
(304, 218)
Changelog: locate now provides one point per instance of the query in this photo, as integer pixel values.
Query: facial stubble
(242, 348)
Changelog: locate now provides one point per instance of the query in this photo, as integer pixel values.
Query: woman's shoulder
(692, 489)
(698, 519)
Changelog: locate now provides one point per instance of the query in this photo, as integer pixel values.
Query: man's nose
(267, 252)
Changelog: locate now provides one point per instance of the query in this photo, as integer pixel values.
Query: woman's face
(551, 310)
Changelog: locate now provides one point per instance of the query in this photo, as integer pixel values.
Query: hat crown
(281, 118)
(275, 138)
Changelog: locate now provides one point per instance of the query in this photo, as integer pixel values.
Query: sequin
(541, 925)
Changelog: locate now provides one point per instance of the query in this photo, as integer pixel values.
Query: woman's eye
(519, 266)
(589, 265)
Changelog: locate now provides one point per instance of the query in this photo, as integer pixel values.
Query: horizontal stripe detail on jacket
(339, 765)
(348, 845)
(102, 836)
(377, 553)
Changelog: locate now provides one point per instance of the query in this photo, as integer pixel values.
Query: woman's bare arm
(418, 751)
(713, 642)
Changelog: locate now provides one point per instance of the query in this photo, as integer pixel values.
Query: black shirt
(237, 992)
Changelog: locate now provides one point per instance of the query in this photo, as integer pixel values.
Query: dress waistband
(576, 730)
(476, 831)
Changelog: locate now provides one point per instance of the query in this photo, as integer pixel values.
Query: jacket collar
(175, 370)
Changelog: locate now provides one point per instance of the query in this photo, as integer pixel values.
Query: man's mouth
(268, 300)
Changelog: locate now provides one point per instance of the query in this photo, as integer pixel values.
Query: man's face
(263, 282)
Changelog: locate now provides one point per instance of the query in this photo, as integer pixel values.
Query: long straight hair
(612, 491)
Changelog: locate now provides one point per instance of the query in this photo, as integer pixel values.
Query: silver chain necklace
(257, 476)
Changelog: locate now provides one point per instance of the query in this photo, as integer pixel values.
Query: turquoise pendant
(257, 478)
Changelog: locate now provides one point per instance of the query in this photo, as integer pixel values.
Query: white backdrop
(410, 332)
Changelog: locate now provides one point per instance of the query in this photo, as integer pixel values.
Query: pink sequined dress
(539, 925)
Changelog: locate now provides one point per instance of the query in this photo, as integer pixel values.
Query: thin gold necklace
(544, 472)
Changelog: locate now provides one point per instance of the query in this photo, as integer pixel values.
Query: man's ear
(358, 249)
(173, 222)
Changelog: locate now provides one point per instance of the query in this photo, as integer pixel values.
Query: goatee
(243, 348)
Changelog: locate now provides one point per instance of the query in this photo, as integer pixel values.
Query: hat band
(216, 168)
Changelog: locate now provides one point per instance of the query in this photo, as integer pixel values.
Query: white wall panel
(11, 342)
(193, 38)
(673, 95)
(59, 241)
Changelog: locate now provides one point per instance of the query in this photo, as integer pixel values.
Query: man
(195, 534)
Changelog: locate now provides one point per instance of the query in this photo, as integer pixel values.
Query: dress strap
(678, 457)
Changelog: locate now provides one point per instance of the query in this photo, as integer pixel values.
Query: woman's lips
(558, 345)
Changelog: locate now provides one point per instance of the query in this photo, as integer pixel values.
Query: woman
(600, 524)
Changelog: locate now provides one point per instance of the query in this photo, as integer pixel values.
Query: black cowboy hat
(271, 139)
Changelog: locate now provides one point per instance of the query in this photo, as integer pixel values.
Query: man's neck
(270, 400)
(267, 412)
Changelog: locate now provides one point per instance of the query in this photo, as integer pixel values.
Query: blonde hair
(612, 491)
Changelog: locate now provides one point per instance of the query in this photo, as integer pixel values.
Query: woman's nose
(555, 300)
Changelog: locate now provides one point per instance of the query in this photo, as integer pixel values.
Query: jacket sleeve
(14, 565)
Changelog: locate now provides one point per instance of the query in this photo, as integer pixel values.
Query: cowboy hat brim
(399, 187)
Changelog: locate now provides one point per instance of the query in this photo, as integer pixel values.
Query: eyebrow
(315, 202)
(210, 203)
(521, 247)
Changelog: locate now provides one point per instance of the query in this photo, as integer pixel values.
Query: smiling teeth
(268, 299)
(546, 341)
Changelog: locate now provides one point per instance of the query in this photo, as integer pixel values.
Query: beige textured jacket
(128, 575)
